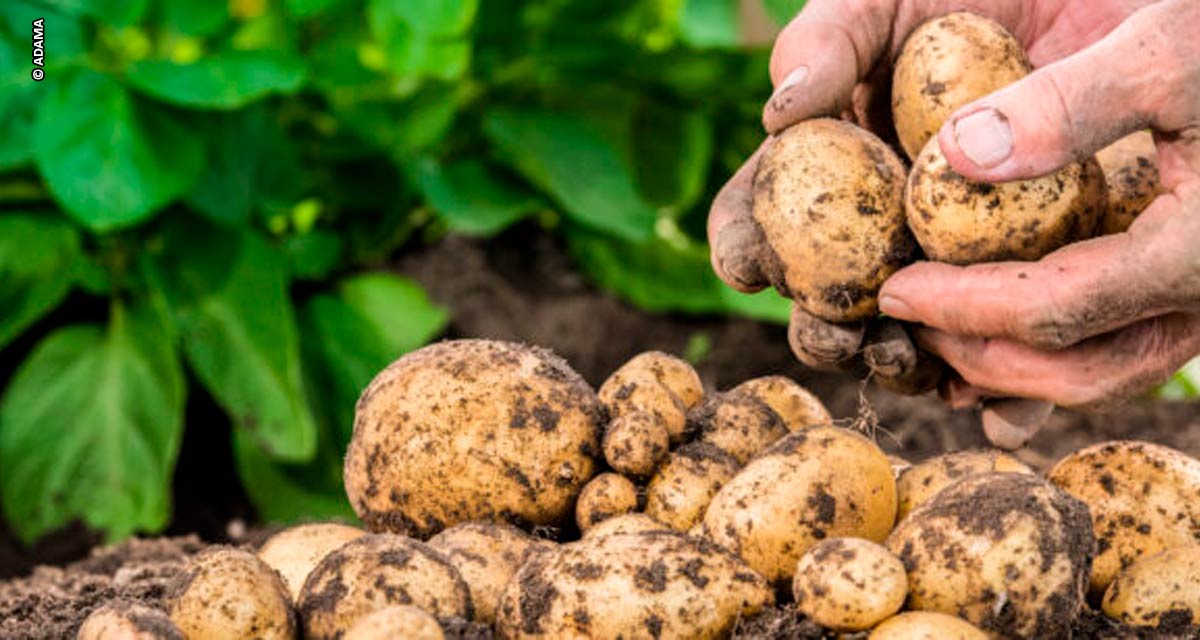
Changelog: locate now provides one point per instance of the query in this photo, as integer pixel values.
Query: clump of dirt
(778, 623)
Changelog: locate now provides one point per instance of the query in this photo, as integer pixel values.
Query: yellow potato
(798, 407)
(128, 622)
(737, 423)
(486, 555)
(679, 377)
(396, 621)
(296, 551)
(685, 484)
(636, 390)
(635, 442)
(921, 482)
(607, 495)
(625, 523)
(1162, 590)
(926, 625)
(229, 593)
(849, 584)
(1130, 168)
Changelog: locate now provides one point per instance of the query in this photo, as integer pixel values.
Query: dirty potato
(798, 407)
(849, 584)
(295, 551)
(1130, 168)
(685, 484)
(607, 495)
(126, 621)
(920, 482)
(229, 593)
(1162, 590)
(679, 377)
(737, 423)
(397, 621)
(486, 555)
(625, 523)
(634, 390)
(634, 444)
(926, 625)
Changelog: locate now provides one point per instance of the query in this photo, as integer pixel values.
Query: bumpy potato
(396, 621)
(817, 483)
(671, 372)
(633, 389)
(230, 593)
(1143, 499)
(828, 198)
(849, 584)
(635, 443)
(128, 622)
(1008, 552)
(921, 482)
(471, 430)
(1130, 168)
(946, 63)
(926, 625)
(294, 552)
(686, 483)
(607, 495)
(374, 572)
(625, 523)
(644, 585)
(486, 555)
(798, 407)
(737, 423)
(1158, 590)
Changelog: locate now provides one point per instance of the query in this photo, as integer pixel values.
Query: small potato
(671, 372)
(1130, 168)
(1162, 590)
(1142, 498)
(373, 572)
(1008, 552)
(849, 584)
(625, 523)
(396, 621)
(295, 551)
(926, 625)
(686, 483)
(486, 555)
(639, 391)
(921, 482)
(229, 593)
(607, 495)
(635, 443)
(128, 622)
(813, 484)
(737, 423)
(798, 407)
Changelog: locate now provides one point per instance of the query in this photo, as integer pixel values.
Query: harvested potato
(644, 585)
(737, 423)
(685, 484)
(1162, 590)
(679, 377)
(376, 571)
(926, 625)
(636, 390)
(849, 584)
(946, 63)
(1130, 168)
(229, 593)
(828, 199)
(1008, 552)
(921, 482)
(625, 523)
(798, 407)
(1142, 498)
(607, 495)
(813, 484)
(486, 555)
(634, 443)
(294, 552)
(128, 622)
(396, 621)
(471, 430)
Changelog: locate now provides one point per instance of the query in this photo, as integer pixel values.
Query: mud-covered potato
(625, 523)
(644, 585)
(486, 555)
(685, 484)
(229, 593)
(1143, 498)
(607, 495)
(376, 571)
(679, 377)
(920, 482)
(798, 407)
(295, 551)
(926, 625)
(634, 388)
(828, 199)
(471, 430)
(849, 584)
(635, 442)
(1162, 590)
(1130, 168)
(737, 423)
(1008, 552)
(127, 621)
(813, 484)
(396, 621)
(946, 63)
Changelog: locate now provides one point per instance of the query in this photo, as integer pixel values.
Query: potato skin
(849, 584)
(644, 585)
(624, 524)
(1130, 168)
(813, 484)
(1142, 498)
(1008, 552)
(946, 63)
(229, 593)
(487, 555)
(921, 482)
(471, 430)
(128, 622)
(296, 551)
(685, 484)
(396, 621)
(634, 444)
(679, 377)
(634, 389)
(798, 407)
(926, 625)
(607, 495)
(828, 197)
(738, 423)
(1161, 589)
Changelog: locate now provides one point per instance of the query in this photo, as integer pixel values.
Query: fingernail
(896, 308)
(985, 137)
(793, 78)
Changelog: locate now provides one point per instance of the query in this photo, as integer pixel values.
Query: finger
(823, 345)
(736, 243)
(1011, 422)
(957, 393)
(896, 363)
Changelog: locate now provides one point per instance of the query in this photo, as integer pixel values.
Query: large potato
(926, 625)
(471, 430)
(813, 484)
(1143, 498)
(1130, 168)
(230, 593)
(849, 584)
(686, 483)
(1162, 590)
(737, 423)
(828, 197)
(918, 483)
(295, 551)
(1008, 552)
(120, 621)
(645, 585)
(486, 555)
(798, 407)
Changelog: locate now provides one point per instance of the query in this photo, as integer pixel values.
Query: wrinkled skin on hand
(1087, 326)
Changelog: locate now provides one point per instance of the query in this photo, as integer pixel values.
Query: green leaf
(424, 37)
(90, 428)
(577, 165)
(782, 11)
(673, 150)
(114, 12)
(426, 17)
(403, 128)
(313, 256)
(110, 159)
(220, 81)
(310, 8)
(289, 493)
(1184, 385)
(471, 198)
(193, 17)
(710, 23)
(38, 257)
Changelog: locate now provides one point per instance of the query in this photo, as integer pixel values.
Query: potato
(679, 377)
(737, 423)
(828, 198)
(635, 443)
(471, 430)
(813, 484)
(396, 621)
(128, 621)
(486, 555)
(946, 63)
(637, 390)
(1008, 552)
(1161, 590)
(961, 221)
(926, 625)
(644, 585)
(229, 593)
(685, 484)
(921, 482)
(797, 406)
(1142, 498)
(373, 572)
(625, 523)
(294, 552)
(607, 495)
(1130, 168)
(849, 584)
